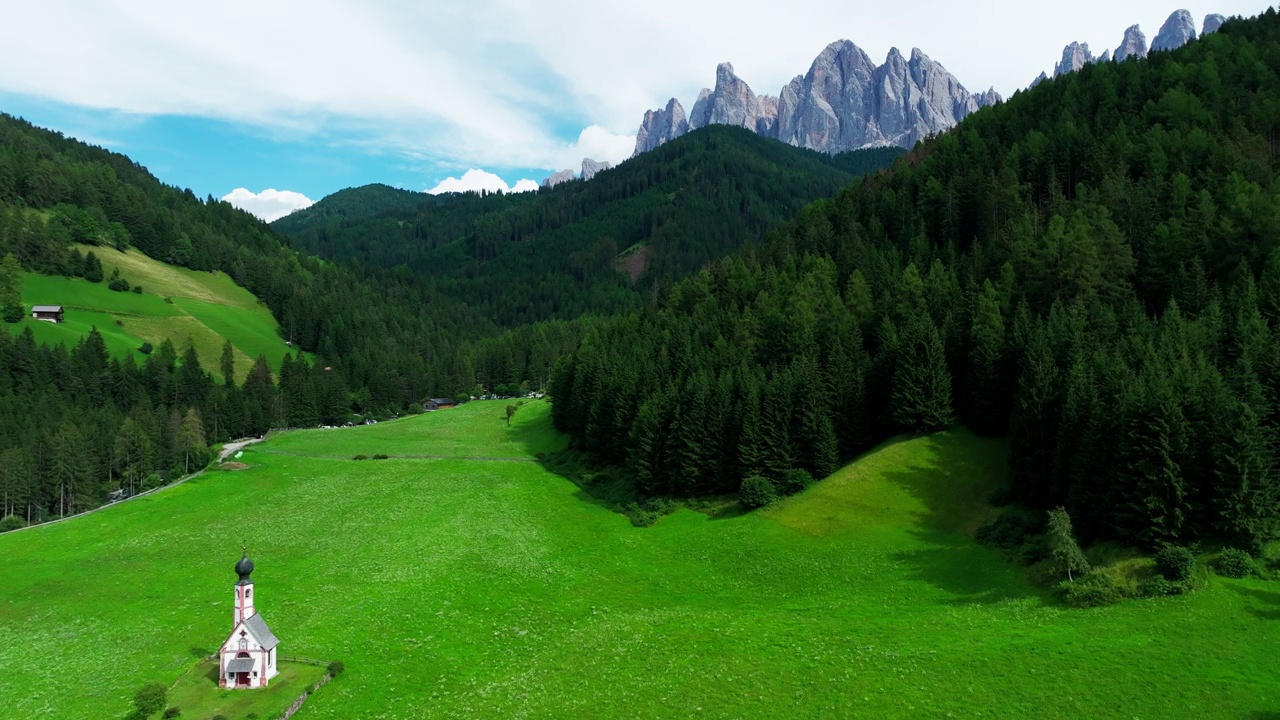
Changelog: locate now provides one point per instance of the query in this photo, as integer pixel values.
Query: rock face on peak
(988, 98)
(559, 177)
(1039, 79)
(733, 103)
(844, 102)
(1104, 57)
(660, 126)
(1211, 23)
(591, 167)
(1177, 31)
(1074, 56)
(1134, 44)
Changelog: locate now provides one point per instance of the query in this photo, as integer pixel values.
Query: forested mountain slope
(582, 247)
(1091, 266)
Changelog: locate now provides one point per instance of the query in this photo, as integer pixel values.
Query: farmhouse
(248, 658)
(439, 404)
(48, 313)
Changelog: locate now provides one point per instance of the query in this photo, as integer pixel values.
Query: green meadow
(461, 579)
(204, 309)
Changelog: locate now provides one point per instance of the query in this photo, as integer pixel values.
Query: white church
(248, 657)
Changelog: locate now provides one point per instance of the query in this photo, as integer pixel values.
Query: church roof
(259, 628)
(238, 665)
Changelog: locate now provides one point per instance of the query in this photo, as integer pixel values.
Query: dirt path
(232, 448)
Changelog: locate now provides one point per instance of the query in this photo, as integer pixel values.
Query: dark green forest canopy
(583, 247)
(1091, 266)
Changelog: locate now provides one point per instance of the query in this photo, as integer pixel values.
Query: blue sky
(312, 96)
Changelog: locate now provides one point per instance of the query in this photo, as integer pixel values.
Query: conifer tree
(988, 403)
(921, 395)
(11, 289)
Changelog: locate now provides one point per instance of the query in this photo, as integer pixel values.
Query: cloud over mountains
(270, 204)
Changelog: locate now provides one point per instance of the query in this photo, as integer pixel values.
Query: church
(248, 657)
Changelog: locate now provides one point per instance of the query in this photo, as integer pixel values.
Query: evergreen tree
(921, 399)
(11, 289)
(988, 404)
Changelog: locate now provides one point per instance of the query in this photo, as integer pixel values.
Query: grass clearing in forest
(458, 587)
(206, 309)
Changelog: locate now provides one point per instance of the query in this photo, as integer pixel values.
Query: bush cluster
(1232, 563)
(336, 667)
(1175, 563)
(757, 491)
(172, 712)
(361, 457)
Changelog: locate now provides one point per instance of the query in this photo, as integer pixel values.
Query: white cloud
(476, 179)
(494, 83)
(270, 204)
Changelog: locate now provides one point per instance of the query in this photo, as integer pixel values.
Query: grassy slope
(489, 588)
(206, 309)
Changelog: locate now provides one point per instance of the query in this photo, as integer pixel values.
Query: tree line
(1090, 267)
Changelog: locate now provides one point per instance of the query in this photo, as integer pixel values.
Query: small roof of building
(259, 628)
(239, 665)
(443, 401)
(46, 308)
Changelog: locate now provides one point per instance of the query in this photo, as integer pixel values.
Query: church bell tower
(244, 591)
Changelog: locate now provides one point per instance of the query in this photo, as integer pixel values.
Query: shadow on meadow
(1270, 601)
(952, 478)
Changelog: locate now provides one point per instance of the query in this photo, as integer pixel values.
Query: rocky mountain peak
(559, 177)
(591, 167)
(1134, 44)
(661, 125)
(1212, 22)
(1177, 31)
(988, 98)
(1074, 56)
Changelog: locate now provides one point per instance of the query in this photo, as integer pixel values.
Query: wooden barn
(48, 313)
(438, 404)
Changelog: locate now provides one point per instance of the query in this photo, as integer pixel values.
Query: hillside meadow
(468, 581)
(203, 310)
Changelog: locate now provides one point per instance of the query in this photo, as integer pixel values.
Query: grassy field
(198, 696)
(468, 582)
(206, 309)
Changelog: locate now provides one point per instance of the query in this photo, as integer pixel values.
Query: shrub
(794, 481)
(336, 667)
(1231, 562)
(1175, 562)
(1160, 586)
(649, 512)
(172, 712)
(145, 348)
(137, 289)
(1011, 529)
(11, 522)
(219, 716)
(380, 456)
(757, 492)
(168, 299)
(119, 284)
(150, 699)
(361, 457)
(1092, 590)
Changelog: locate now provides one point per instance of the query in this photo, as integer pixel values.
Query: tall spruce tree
(921, 396)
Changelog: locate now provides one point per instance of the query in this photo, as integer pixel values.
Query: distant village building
(48, 313)
(439, 404)
(248, 657)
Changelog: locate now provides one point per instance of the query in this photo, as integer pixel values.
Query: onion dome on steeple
(243, 569)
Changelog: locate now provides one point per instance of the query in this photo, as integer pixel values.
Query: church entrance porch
(239, 670)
